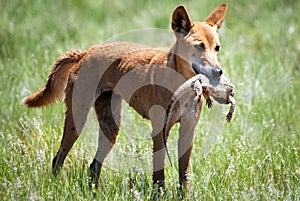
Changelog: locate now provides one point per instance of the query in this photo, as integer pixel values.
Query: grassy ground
(256, 157)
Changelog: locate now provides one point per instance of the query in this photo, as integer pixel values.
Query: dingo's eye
(217, 48)
(200, 47)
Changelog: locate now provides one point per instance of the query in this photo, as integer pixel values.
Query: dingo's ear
(181, 22)
(216, 17)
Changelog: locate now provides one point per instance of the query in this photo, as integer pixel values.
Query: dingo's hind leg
(74, 122)
(70, 135)
(108, 110)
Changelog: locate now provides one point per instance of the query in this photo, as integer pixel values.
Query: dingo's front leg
(185, 141)
(159, 155)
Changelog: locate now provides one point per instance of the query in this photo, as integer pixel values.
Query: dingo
(107, 73)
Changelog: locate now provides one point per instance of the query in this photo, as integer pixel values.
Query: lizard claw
(229, 117)
(209, 103)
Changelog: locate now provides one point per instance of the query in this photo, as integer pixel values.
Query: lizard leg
(197, 99)
(209, 102)
(232, 108)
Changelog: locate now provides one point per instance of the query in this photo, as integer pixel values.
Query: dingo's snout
(219, 71)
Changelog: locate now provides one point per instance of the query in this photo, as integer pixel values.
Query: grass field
(256, 157)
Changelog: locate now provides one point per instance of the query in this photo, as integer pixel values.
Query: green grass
(256, 157)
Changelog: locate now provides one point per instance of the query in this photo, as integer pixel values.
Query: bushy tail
(57, 80)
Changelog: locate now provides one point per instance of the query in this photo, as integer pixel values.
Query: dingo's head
(198, 42)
